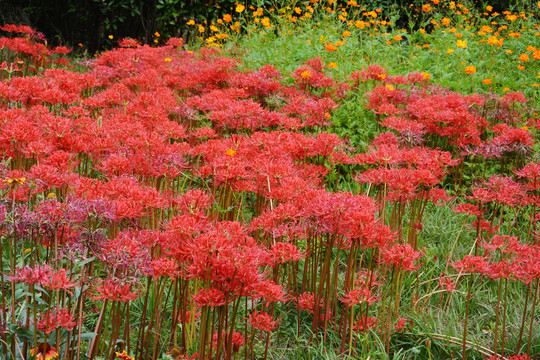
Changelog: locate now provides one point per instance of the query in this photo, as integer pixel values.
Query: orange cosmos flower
(240, 8)
(461, 44)
(332, 65)
(524, 58)
(425, 75)
(486, 81)
(330, 47)
(398, 38)
(470, 69)
(227, 18)
(426, 8)
(232, 152)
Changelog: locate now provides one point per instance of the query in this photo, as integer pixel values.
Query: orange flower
(227, 18)
(330, 47)
(425, 75)
(346, 33)
(521, 67)
(506, 89)
(398, 38)
(461, 44)
(523, 57)
(230, 152)
(470, 69)
(426, 8)
(332, 65)
(240, 8)
(305, 74)
(486, 81)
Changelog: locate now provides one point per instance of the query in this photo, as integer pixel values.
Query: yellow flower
(346, 33)
(523, 57)
(227, 18)
(390, 87)
(214, 28)
(360, 24)
(230, 152)
(461, 44)
(445, 21)
(156, 34)
(398, 38)
(191, 22)
(266, 22)
(332, 65)
(167, 59)
(111, 37)
(381, 76)
(240, 8)
(486, 81)
(489, 8)
(305, 74)
(509, 51)
(297, 10)
(470, 69)
(425, 75)
(449, 51)
(201, 28)
(506, 89)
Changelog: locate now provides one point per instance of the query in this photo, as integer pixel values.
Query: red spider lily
(401, 323)
(186, 316)
(57, 280)
(269, 291)
(359, 296)
(55, 318)
(306, 301)
(401, 257)
(446, 283)
(209, 297)
(471, 263)
(238, 340)
(364, 324)
(36, 275)
(469, 209)
(503, 243)
(262, 321)
(285, 252)
(114, 290)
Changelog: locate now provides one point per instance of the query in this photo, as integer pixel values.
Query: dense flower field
(159, 202)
